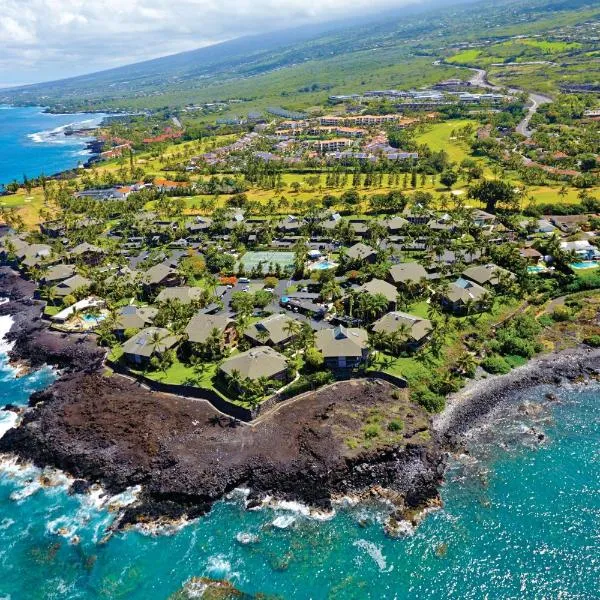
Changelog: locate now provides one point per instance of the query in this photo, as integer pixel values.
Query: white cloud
(44, 39)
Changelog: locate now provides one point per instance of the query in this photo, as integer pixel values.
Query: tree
(587, 162)
(491, 192)
(314, 358)
(448, 179)
(234, 379)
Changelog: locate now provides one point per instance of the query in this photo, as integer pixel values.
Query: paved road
(480, 79)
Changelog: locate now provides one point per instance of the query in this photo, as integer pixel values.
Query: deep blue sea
(33, 142)
(521, 520)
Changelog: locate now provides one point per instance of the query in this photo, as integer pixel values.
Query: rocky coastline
(471, 405)
(186, 455)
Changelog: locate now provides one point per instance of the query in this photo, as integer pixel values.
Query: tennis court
(251, 260)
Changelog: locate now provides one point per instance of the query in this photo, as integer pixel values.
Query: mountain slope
(339, 56)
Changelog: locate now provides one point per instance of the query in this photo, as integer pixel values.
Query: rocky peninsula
(186, 455)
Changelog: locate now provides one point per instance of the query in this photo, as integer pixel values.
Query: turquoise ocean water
(32, 142)
(521, 520)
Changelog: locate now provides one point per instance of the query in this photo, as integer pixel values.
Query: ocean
(33, 142)
(521, 519)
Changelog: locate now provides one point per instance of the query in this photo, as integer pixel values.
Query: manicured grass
(27, 205)
(50, 310)
(466, 57)
(439, 137)
(181, 374)
(419, 309)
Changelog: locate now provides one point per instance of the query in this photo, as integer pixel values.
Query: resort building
(409, 273)
(257, 363)
(202, 326)
(463, 295)
(379, 287)
(151, 341)
(416, 330)
(132, 317)
(276, 331)
(343, 348)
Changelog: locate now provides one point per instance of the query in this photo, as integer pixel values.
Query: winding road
(480, 79)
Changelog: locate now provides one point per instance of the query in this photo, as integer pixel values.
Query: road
(535, 100)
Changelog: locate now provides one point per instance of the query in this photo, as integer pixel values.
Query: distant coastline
(34, 141)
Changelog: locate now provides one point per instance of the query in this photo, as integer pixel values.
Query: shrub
(371, 431)
(130, 332)
(69, 299)
(545, 320)
(429, 400)
(396, 425)
(592, 340)
(561, 314)
(495, 365)
(313, 358)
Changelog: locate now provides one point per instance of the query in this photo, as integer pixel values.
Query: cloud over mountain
(45, 39)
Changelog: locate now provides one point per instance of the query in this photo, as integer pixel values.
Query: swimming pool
(323, 265)
(536, 269)
(585, 264)
(94, 319)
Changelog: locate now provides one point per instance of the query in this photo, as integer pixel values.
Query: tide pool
(33, 142)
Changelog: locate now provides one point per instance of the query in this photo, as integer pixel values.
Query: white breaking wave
(57, 135)
(375, 553)
(6, 322)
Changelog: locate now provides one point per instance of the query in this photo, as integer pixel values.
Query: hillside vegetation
(300, 68)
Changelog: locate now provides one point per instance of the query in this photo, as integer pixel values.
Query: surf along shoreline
(90, 137)
(186, 456)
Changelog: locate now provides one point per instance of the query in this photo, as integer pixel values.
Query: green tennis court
(251, 260)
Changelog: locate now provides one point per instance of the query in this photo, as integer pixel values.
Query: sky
(43, 40)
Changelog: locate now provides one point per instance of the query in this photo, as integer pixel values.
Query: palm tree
(465, 363)
(292, 329)
(399, 337)
(331, 291)
(234, 380)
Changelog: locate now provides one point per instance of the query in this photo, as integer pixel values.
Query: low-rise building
(463, 296)
(343, 348)
(417, 329)
(489, 274)
(183, 294)
(276, 331)
(379, 287)
(88, 253)
(149, 342)
(406, 274)
(202, 326)
(132, 317)
(257, 363)
(361, 252)
(69, 286)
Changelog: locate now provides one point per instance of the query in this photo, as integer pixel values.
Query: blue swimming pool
(585, 264)
(324, 265)
(536, 269)
(93, 318)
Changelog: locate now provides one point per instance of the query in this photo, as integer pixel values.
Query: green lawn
(439, 137)
(181, 374)
(419, 309)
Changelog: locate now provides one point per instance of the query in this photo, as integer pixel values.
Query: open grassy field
(27, 205)
(439, 136)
